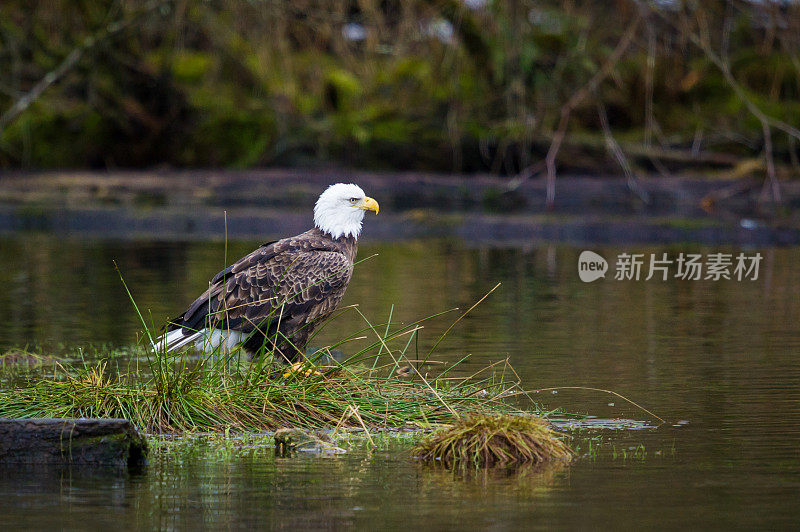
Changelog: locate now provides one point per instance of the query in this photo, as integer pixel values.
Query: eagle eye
(353, 200)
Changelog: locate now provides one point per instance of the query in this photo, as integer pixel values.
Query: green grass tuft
(201, 396)
(485, 440)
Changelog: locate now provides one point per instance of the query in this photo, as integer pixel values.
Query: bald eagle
(274, 297)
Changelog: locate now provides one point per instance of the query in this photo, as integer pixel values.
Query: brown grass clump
(488, 440)
(21, 357)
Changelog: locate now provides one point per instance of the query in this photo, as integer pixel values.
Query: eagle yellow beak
(370, 204)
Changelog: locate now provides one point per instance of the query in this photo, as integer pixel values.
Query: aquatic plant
(188, 394)
(486, 440)
(24, 357)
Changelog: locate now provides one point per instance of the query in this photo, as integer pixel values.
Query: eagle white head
(340, 210)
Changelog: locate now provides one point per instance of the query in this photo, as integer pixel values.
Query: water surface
(717, 359)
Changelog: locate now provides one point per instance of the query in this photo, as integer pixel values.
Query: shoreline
(259, 204)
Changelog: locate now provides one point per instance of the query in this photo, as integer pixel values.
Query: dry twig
(576, 99)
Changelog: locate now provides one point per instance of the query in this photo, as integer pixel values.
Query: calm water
(718, 359)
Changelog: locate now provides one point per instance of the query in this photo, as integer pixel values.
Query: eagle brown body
(274, 297)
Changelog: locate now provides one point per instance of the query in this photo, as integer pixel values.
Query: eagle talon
(300, 369)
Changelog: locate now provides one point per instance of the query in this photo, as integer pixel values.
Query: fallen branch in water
(556, 388)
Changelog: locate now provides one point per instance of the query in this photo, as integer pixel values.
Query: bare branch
(69, 62)
(721, 62)
(619, 155)
(577, 99)
(772, 179)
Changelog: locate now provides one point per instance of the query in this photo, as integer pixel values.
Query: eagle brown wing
(293, 282)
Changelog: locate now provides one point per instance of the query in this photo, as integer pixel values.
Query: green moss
(191, 67)
(345, 82)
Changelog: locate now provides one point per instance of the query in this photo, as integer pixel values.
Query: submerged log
(114, 442)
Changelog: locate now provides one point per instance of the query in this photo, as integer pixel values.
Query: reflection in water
(186, 491)
(522, 477)
(722, 355)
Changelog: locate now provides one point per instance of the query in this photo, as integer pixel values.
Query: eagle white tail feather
(173, 340)
(204, 340)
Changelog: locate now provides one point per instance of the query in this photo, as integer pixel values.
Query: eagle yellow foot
(301, 369)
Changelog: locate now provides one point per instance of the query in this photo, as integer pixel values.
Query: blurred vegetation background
(517, 88)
